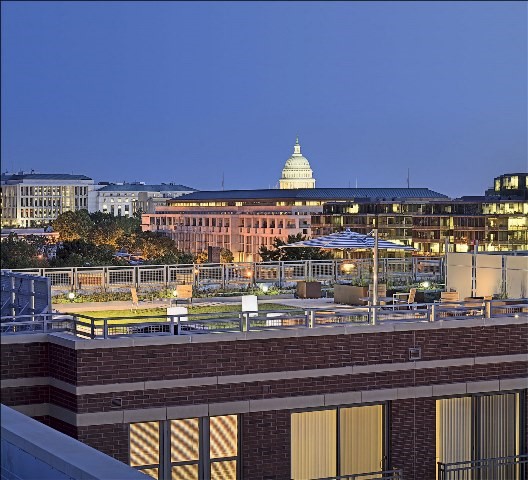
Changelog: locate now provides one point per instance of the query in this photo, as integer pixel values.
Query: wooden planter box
(309, 289)
(350, 294)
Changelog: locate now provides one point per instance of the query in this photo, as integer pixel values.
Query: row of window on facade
(117, 194)
(117, 209)
(326, 443)
(47, 191)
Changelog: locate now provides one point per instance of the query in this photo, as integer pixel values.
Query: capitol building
(297, 172)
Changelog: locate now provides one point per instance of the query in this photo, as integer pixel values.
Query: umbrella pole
(375, 278)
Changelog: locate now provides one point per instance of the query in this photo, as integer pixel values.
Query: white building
(297, 172)
(127, 198)
(36, 199)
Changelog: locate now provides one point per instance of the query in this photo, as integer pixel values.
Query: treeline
(90, 239)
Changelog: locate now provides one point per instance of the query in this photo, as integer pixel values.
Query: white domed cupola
(297, 172)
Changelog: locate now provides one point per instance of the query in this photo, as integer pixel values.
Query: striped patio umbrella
(348, 240)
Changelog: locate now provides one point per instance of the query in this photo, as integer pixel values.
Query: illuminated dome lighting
(297, 172)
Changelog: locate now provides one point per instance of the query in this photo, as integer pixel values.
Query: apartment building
(244, 220)
(287, 403)
(36, 199)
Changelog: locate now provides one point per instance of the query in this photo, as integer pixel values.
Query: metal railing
(396, 474)
(232, 275)
(502, 468)
(236, 321)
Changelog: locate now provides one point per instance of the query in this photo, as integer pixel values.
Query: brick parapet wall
(64, 363)
(23, 360)
(177, 361)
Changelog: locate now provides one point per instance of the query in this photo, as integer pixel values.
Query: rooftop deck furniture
(184, 294)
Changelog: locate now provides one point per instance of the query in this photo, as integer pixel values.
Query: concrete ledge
(522, 357)
(449, 389)
(29, 338)
(415, 392)
(286, 403)
(33, 410)
(181, 382)
(25, 382)
(100, 418)
(384, 367)
(513, 383)
(381, 395)
(484, 386)
(342, 398)
(144, 415)
(228, 408)
(187, 411)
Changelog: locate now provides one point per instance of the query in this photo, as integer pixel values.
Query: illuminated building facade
(244, 220)
(36, 199)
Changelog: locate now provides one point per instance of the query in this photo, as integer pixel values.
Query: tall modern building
(297, 172)
(35, 199)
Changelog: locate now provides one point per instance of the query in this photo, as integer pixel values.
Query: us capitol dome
(297, 172)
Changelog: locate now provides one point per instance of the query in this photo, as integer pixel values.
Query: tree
(171, 258)
(23, 253)
(73, 225)
(202, 257)
(226, 256)
(294, 253)
(106, 230)
(76, 253)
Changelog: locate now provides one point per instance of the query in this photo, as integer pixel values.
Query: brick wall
(25, 395)
(109, 439)
(22, 360)
(286, 388)
(63, 363)
(156, 362)
(266, 445)
(413, 437)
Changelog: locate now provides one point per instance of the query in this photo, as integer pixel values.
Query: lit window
(208, 444)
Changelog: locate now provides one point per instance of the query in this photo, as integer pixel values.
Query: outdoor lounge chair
(405, 299)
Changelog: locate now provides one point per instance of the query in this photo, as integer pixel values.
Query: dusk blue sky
(187, 92)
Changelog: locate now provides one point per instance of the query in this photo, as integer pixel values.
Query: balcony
(507, 468)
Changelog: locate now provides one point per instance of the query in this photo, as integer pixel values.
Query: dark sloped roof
(130, 187)
(315, 194)
(48, 176)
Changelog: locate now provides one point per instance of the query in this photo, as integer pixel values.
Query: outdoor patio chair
(405, 300)
(447, 298)
(135, 300)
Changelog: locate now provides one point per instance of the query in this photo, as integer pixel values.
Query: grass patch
(158, 314)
